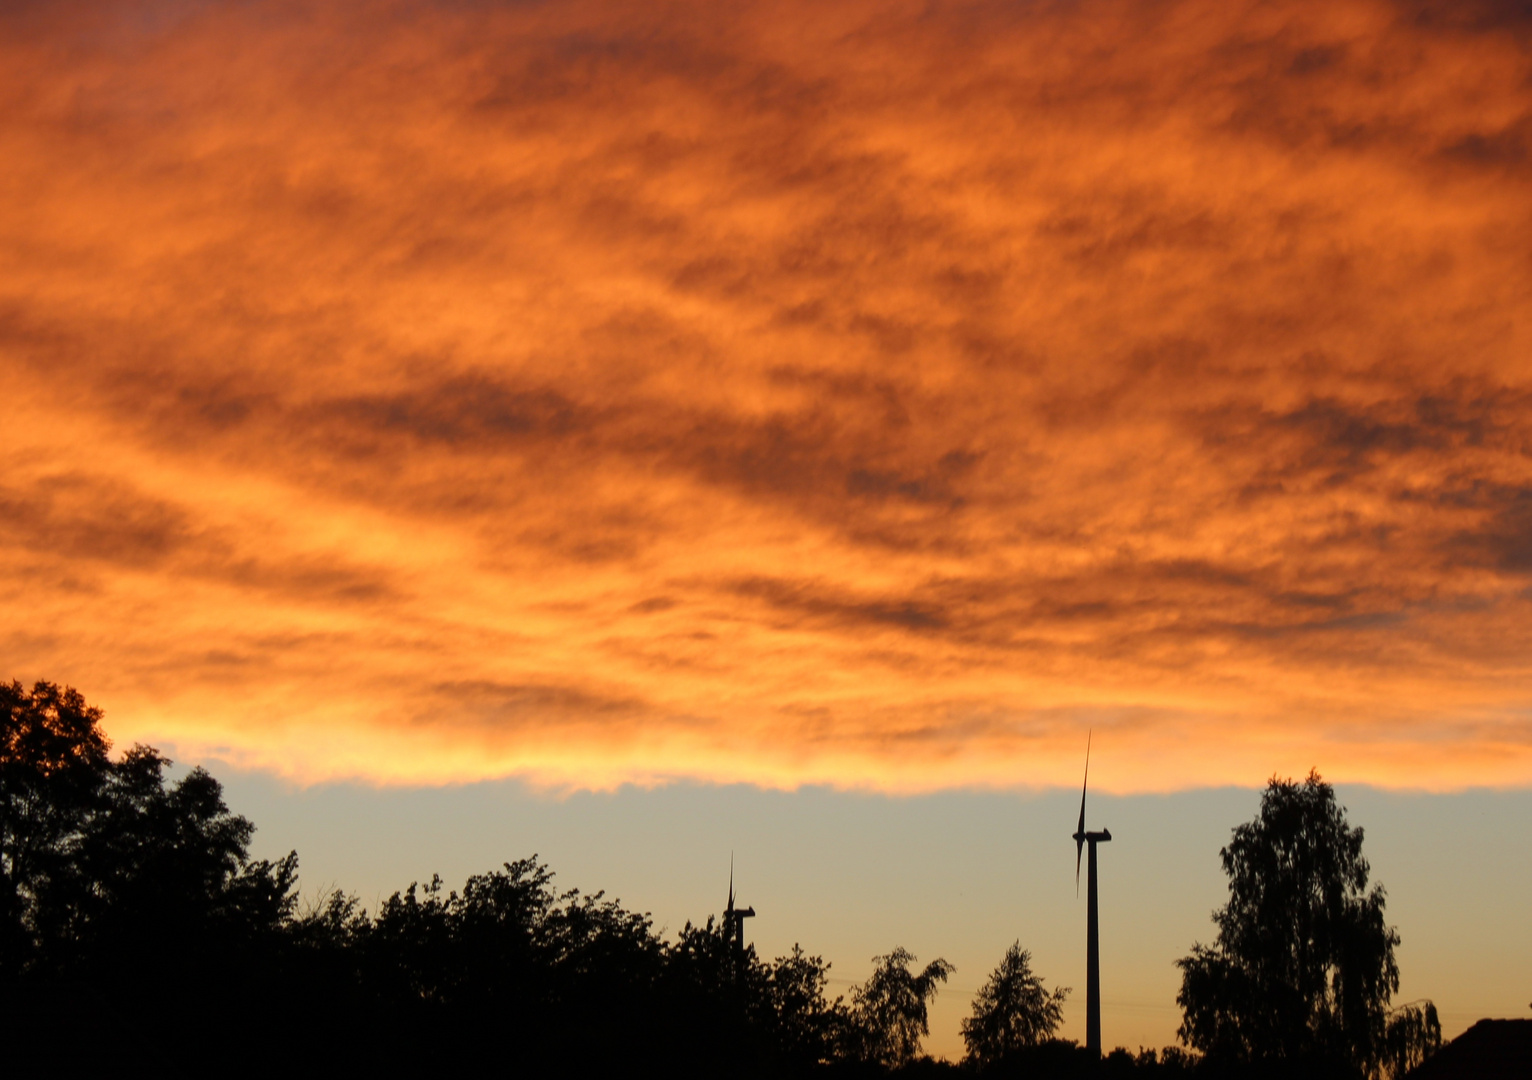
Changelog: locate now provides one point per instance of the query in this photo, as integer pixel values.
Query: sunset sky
(593, 400)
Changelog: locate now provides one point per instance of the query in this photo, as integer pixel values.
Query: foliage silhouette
(130, 899)
(1413, 1034)
(53, 765)
(1012, 1011)
(809, 1026)
(133, 919)
(888, 1013)
(123, 893)
(1064, 1059)
(1300, 977)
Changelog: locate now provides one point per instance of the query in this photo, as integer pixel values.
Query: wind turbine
(1092, 927)
(734, 920)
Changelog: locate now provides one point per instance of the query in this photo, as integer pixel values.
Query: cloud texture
(876, 393)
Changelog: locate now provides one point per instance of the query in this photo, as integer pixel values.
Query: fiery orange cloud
(874, 394)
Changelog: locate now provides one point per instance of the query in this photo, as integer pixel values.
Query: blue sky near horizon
(958, 874)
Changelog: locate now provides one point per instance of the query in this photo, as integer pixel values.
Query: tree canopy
(890, 1008)
(1012, 1011)
(105, 865)
(132, 915)
(130, 897)
(1302, 970)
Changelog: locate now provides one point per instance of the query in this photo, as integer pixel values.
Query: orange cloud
(875, 395)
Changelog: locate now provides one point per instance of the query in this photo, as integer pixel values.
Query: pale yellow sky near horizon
(959, 874)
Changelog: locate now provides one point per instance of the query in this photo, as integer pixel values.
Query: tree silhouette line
(135, 929)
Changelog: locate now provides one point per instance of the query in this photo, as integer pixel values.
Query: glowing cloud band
(875, 396)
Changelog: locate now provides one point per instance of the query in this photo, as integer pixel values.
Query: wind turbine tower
(1092, 922)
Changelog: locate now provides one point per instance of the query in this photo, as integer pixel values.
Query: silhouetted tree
(1301, 974)
(1170, 1062)
(605, 964)
(104, 864)
(569, 977)
(808, 1025)
(326, 941)
(53, 766)
(888, 1012)
(718, 1008)
(1012, 1011)
(126, 897)
(134, 916)
(164, 868)
(1413, 1034)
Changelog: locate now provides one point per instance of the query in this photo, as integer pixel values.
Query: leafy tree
(105, 867)
(484, 945)
(1300, 976)
(53, 766)
(717, 1006)
(128, 900)
(770, 1017)
(1012, 1011)
(807, 1023)
(888, 1013)
(1413, 1034)
(325, 941)
(607, 962)
(165, 868)
(124, 897)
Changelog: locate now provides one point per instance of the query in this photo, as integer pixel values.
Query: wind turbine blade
(1086, 783)
(1080, 828)
(731, 881)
